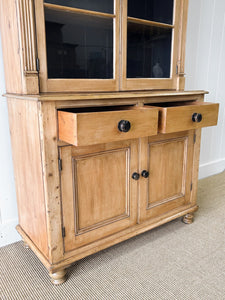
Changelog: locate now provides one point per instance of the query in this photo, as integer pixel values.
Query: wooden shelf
(149, 23)
(78, 11)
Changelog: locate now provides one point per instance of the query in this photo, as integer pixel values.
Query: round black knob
(196, 117)
(145, 174)
(135, 176)
(124, 126)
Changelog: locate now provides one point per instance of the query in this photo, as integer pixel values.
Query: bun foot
(58, 277)
(188, 218)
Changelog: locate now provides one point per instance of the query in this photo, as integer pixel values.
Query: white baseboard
(211, 168)
(8, 233)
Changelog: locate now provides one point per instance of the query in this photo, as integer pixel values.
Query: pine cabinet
(103, 185)
(105, 140)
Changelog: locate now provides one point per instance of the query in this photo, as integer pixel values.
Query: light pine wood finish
(113, 98)
(58, 277)
(48, 136)
(25, 139)
(188, 218)
(181, 47)
(162, 213)
(195, 166)
(27, 35)
(61, 8)
(9, 28)
(77, 254)
(168, 159)
(151, 23)
(11, 55)
(99, 197)
(75, 200)
(19, 51)
(179, 117)
(82, 129)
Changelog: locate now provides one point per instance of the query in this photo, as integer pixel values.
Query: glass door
(150, 44)
(78, 44)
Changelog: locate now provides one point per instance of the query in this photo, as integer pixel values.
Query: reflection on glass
(153, 10)
(105, 6)
(148, 51)
(78, 46)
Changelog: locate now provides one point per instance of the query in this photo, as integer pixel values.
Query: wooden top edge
(43, 97)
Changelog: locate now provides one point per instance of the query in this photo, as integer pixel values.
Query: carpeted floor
(174, 261)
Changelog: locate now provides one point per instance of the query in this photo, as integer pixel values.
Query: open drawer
(174, 117)
(89, 126)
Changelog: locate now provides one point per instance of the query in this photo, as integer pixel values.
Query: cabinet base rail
(57, 270)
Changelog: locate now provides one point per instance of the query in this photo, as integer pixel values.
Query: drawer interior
(175, 104)
(98, 108)
(188, 115)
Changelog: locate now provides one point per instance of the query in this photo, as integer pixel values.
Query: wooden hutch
(105, 139)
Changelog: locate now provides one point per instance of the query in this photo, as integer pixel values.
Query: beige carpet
(174, 261)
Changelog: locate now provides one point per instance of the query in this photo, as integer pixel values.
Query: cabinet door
(169, 160)
(153, 43)
(78, 45)
(99, 197)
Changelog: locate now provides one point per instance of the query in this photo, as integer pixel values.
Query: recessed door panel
(99, 197)
(101, 184)
(168, 159)
(167, 165)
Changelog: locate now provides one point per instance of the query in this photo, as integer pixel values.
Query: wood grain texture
(82, 129)
(93, 198)
(41, 43)
(77, 254)
(188, 218)
(195, 166)
(167, 168)
(49, 151)
(179, 118)
(181, 45)
(169, 159)
(110, 170)
(19, 47)
(99, 197)
(69, 9)
(27, 36)
(106, 97)
(147, 22)
(11, 55)
(25, 139)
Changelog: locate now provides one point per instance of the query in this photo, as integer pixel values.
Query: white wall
(8, 208)
(205, 68)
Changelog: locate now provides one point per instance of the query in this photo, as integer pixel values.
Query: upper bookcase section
(96, 45)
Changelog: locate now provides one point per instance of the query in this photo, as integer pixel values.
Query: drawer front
(81, 129)
(187, 117)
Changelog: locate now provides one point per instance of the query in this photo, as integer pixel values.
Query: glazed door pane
(153, 10)
(148, 51)
(151, 44)
(78, 45)
(105, 6)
